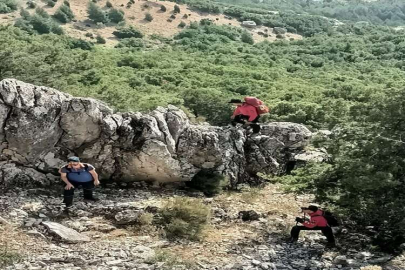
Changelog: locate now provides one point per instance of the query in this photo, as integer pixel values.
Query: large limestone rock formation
(40, 127)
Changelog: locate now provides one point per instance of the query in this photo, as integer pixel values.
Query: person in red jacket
(245, 114)
(316, 222)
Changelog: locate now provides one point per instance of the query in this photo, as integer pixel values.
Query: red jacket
(246, 109)
(316, 220)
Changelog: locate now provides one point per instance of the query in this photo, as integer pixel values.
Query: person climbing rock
(317, 221)
(248, 112)
(76, 174)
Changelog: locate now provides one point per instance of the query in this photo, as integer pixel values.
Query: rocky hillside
(246, 230)
(165, 24)
(41, 127)
(128, 227)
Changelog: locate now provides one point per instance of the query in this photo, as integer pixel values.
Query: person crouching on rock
(245, 114)
(76, 174)
(316, 222)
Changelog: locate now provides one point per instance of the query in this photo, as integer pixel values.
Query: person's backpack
(86, 168)
(258, 104)
(330, 218)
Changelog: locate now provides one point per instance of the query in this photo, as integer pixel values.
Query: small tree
(247, 38)
(66, 3)
(41, 12)
(148, 17)
(100, 40)
(116, 15)
(163, 8)
(96, 14)
(64, 14)
(109, 4)
(182, 24)
(50, 3)
(176, 9)
(31, 4)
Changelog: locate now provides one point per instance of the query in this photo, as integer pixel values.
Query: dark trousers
(87, 191)
(244, 118)
(327, 231)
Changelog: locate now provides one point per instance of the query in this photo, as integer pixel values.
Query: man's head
(236, 102)
(74, 161)
(310, 209)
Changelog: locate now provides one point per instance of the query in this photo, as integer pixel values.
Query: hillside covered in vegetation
(345, 75)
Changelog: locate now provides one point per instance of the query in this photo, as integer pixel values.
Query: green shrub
(185, 218)
(208, 182)
(90, 35)
(64, 14)
(127, 32)
(182, 24)
(163, 8)
(176, 9)
(116, 15)
(31, 4)
(24, 14)
(185, 16)
(148, 17)
(131, 43)
(109, 4)
(50, 3)
(7, 6)
(8, 258)
(247, 38)
(96, 14)
(66, 3)
(41, 12)
(100, 40)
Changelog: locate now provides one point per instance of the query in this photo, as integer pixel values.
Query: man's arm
(63, 176)
(95, 177)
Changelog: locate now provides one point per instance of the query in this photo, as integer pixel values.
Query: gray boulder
(40, 127)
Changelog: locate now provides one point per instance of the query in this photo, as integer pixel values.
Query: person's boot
(292, 240)
(330, 245)
(92, 198)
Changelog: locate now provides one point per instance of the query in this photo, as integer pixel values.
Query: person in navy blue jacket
(76, 174)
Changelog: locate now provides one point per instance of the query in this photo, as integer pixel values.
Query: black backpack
(330, 218)
(69, 170)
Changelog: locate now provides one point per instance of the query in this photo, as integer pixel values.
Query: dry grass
(136, 16)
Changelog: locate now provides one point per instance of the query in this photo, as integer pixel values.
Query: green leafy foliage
(127, 32)
(100, 40)
(96, 14)
(116, 15)
(7, 6)
(64, 14)
(40, 22)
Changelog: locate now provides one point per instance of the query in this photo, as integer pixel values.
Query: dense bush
(131, 43)
(64, 14)
(100, 40)
(7, 6)
(148, 17)
(163, 8)
(185, 218)
(40, 23)
(96, 14)
(127, 32)
(108, 4)
(50, 3)
(176, 9)
(116, 15)
(182, 24)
